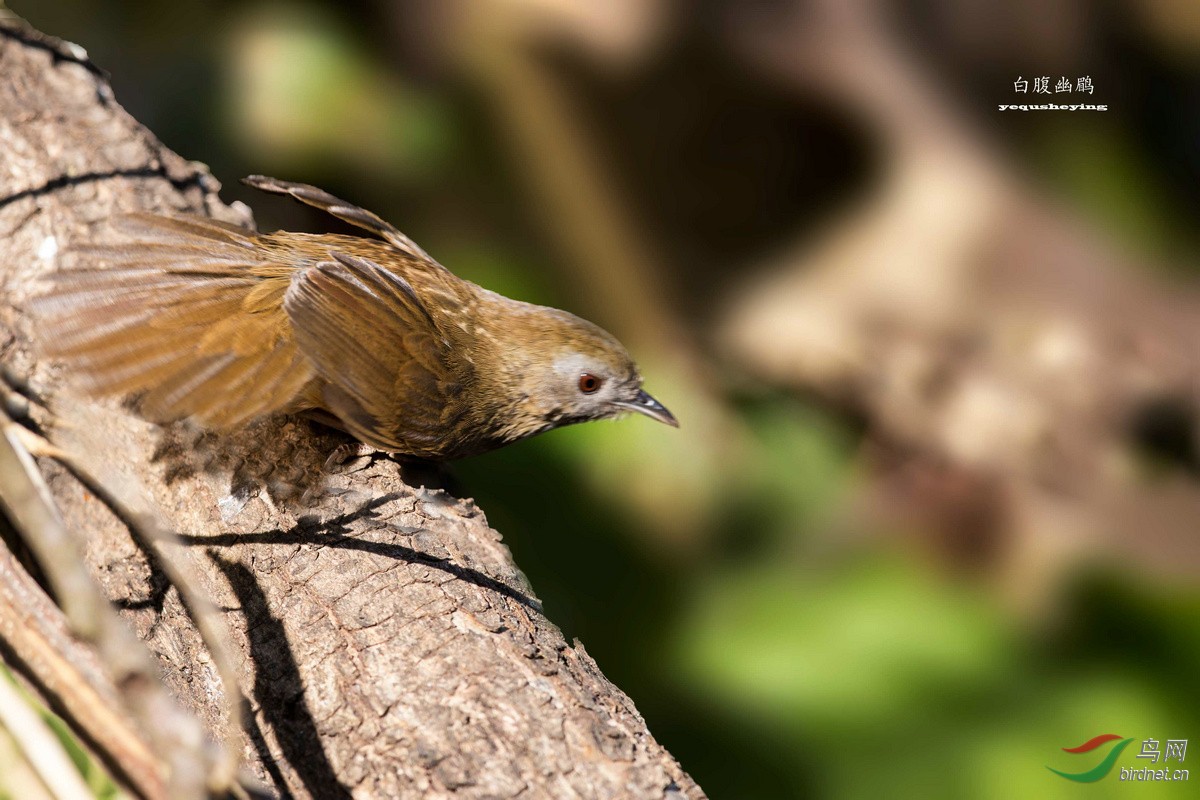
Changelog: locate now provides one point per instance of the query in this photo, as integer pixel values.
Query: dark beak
(645, 404)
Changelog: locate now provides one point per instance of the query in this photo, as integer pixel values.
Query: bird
(202, 319)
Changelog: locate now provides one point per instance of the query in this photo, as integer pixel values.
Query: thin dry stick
(16, 776)
(41, 748)
(175, 735)
(34, 632)
(146, 530)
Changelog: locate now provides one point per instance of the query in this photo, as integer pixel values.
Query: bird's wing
(339, 208)
(390, 373)
(187, 310)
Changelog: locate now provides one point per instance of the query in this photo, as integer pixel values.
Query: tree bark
(388, 645)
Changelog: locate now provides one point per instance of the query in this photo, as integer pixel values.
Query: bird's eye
(589, 383)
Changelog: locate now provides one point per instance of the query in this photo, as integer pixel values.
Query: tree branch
(388, 645)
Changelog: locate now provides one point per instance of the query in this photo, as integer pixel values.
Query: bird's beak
(645, 404)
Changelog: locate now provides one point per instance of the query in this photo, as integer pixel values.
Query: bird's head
(573, 371)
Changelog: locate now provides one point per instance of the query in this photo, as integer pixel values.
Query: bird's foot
(19, 399)
(429, 476)
(352, 457)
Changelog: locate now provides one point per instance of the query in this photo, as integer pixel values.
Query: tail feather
(348, 212)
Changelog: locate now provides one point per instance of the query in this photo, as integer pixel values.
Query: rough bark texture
(389, 645)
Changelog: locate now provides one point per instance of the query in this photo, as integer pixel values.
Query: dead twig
(36, 639)
(41, 749)
(176, 736)
(155, 539)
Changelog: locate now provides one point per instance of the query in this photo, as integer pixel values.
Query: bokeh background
(933, 513)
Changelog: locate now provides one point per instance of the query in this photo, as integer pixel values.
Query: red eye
(589, 383)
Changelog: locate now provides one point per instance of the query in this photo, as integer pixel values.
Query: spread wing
(186, 310)
(387, 365)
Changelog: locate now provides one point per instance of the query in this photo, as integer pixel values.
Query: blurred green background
(641, 164)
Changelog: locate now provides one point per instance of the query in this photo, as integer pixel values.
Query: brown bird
(211, 321)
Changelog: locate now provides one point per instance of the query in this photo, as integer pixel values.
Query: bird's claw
(18, 398)
(351, 457)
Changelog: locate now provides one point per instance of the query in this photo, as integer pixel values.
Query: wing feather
(389, 371)
(185, 311)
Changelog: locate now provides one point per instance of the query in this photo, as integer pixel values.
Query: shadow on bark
(279, 692)
(335, 532)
